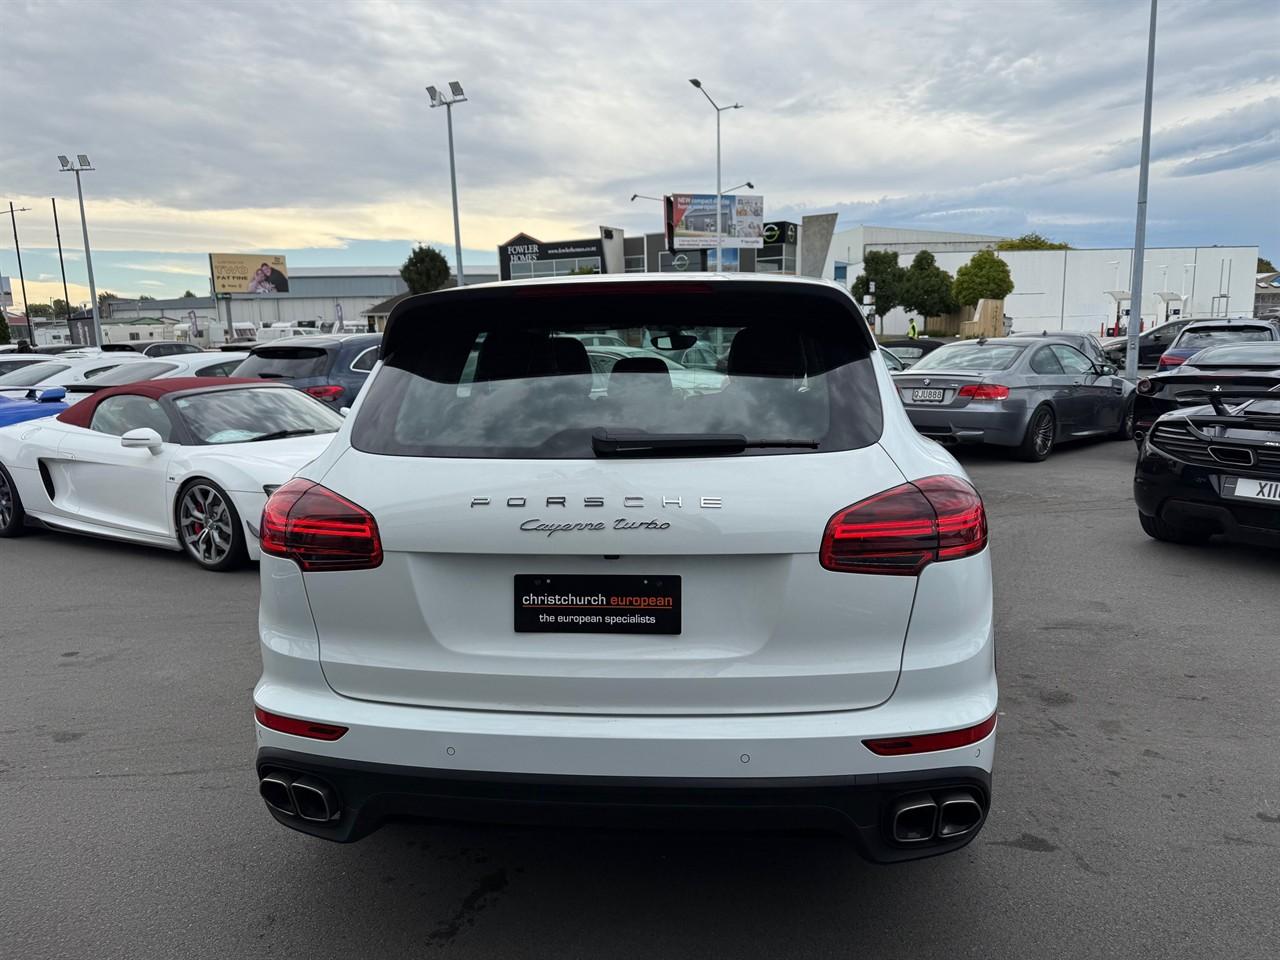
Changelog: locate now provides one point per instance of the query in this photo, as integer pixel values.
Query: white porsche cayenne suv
(532, 579)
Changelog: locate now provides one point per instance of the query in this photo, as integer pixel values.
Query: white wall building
(1071, 289)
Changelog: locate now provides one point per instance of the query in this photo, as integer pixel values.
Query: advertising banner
(6, 292)
(248, 273)
(692, 221)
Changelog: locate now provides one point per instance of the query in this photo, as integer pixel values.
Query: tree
(40, 310)
(1031, 241)
(425, 270)
(60, 309)
(104, 303)
(143, 296)
(926, 287)
(880, 267)
(4, 328)
(188, 293)
(985, 277)
(1265, 265)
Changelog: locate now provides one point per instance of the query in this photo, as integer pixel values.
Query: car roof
(324, 341)
(1226, 323)
(81, 414)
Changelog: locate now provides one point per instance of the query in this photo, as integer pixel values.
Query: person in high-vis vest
(911, 329)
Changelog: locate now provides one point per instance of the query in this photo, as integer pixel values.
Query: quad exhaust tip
(921, 818)
(303, 797)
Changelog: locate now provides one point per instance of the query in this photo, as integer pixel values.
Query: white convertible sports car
(184, 464)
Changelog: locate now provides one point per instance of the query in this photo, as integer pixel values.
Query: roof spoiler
(1218, 387)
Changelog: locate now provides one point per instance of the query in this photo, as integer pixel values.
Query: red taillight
(984, 391)
(299, 728)
(903, 530)
(948, 740)
(328, 391)
(1166, 360)
(318, 529)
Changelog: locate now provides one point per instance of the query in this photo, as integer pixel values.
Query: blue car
(36, 404)
(330, 368)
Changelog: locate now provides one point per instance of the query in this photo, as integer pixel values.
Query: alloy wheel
(206, 527)
(6, 502)
(1044, 433)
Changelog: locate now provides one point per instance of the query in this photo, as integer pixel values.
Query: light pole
(80, 166)
(438, 99)
(66, 297)
(1140, 227)
(645, 196)
(746, 183)
(22, 279)
(719, 110)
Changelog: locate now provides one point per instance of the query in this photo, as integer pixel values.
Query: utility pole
(13, 217)
(1140, 229)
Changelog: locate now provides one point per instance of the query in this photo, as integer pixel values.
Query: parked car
(154, 348)
(202, 364)
(1213, 469)
(911, 349)
(1162, 392)
(183, 464)
(1151, 344)
(330, 368)
(16, 361)
(60, 372)
(1200, 334)
(604, 361)
(1086, 343)
(493, 602)
(43, 403)
(59, 349)
(1022, 393)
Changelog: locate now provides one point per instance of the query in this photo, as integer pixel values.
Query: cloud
(150, 283)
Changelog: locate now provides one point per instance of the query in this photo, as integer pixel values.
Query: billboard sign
(691, 221)
(248, 273)
(6, 292)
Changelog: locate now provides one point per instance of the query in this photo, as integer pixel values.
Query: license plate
(1246, 488)
(926, 396)
(571, 603)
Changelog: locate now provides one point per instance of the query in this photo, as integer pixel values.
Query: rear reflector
(328, 391)
(901, 531)
(299, 728)
(948, 740)
(984, 391)
(318, 529)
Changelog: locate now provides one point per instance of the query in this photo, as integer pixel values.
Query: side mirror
(343, 411)
(1106, 370)
(52, 395)
(142, 438)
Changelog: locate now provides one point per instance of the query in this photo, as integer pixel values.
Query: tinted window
(222, 369)
(1072, 360)
(535, 390)
(33, 374)
(1212, 336)
(1252, 354)
(365, 361)
(132, 373)
(118, 415)
(102, 369)
(1043, 361)
(254, 413)
(288, 363)
(970, 356)
(8, 364)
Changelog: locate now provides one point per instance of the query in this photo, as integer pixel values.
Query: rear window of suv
(533, 378)
(1194, 337)
(285, 363)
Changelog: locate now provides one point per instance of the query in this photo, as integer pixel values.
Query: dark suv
(330, 368)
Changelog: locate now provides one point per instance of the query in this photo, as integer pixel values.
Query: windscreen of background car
(534, 388)
(30, 376)
(1212, 336)
(286, 363)
(1263, 355)
(239, 416)
(131, 373)
(970, 356)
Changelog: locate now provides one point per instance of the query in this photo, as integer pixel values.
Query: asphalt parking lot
(1137, 784)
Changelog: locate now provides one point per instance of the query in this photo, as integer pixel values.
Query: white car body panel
(77, 367)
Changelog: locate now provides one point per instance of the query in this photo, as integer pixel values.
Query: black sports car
(1154, 398)
(1215, 468)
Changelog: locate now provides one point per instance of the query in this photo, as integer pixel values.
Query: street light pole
(1140, 228)
(22, 279)
(66, 297)
(438, 99)
(81, 165)
(719, 222)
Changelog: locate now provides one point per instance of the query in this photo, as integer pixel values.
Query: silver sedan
(1026, 394)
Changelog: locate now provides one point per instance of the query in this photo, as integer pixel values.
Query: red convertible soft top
(81, 414)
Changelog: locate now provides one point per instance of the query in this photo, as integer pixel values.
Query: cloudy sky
(303, 128)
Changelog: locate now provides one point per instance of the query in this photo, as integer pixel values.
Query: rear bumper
(861, 807)
(1188, 495)
(979, 422)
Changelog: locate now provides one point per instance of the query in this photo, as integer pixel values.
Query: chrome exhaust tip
(958, 814)
(314, 801)
(274, 789)
(914, 819)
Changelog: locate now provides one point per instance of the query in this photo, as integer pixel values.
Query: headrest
(640, 365)
(767, 352)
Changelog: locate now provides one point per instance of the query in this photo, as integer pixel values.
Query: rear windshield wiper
(281, 434)
(689, 444)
